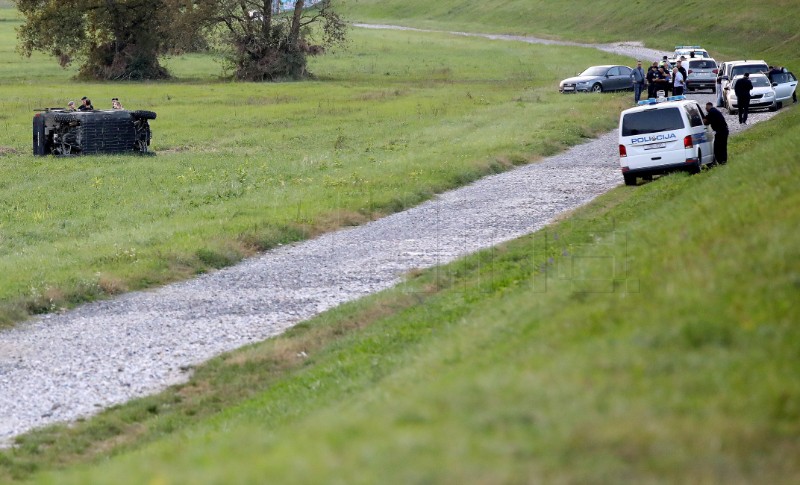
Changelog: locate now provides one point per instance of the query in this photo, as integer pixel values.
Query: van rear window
(652, 121)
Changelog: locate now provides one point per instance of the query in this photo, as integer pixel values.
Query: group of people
(660, 76)
(86, 105)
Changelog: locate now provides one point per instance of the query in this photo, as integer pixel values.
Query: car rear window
(651, 121)
(702, 65)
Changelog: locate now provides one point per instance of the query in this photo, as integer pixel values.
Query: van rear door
(652, 137)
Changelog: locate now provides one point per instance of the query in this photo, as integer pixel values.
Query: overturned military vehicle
(60, 132)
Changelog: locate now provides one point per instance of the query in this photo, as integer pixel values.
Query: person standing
(663, 81)
(682, 69)
(716, 121)
(637, 78)
(678, 82)
(742, 90)
(652, 75)
(719, 88)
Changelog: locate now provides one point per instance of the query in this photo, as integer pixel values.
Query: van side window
(694, 115)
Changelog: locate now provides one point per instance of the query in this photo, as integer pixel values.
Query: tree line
(124, 39)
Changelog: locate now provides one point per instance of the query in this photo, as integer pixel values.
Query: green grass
(767, 29)
(241, 167)
(650, 337)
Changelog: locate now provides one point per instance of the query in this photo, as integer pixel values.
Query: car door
(611, 82)
(624, 77)
(705, 138)
(784, 84)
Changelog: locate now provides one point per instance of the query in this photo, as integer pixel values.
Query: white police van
(660, 137)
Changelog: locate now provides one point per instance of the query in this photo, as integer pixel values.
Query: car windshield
(759, 82)
(595, 71)
(651, 121)
(752, 69)
(688, 54)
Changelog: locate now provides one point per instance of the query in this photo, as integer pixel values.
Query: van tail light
(715, 71)
(687, 141)
(622, 151)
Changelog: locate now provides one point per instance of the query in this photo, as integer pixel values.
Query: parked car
(657, 138)
(597, 79)
(701, 74)
(731, 69)
(785, 85)
(57, 131)
(761, 97)
(689, 52)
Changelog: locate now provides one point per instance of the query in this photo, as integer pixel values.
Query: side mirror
(774, 84)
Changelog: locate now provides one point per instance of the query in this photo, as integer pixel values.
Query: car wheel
(64, 117)
(597, 88)
(629, 179)
(148, 115)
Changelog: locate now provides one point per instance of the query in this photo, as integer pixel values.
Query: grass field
(651, 337)
(768, 29)
(241, 167)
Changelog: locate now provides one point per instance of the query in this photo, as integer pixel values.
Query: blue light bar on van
(647, 101)
(676, 98)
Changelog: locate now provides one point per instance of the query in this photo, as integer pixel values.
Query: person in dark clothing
(742, 90)
(86, 104)
(652, 75)
(663, 81)
(716, 121)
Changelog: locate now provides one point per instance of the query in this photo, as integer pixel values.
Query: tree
(264, 45)
(114, 39)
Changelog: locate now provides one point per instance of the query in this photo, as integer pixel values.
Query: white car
(689, 52)
(657, 138)
(785, 85)
(761, 97)
(731, 69)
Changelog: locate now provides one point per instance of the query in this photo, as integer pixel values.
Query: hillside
(769, 29)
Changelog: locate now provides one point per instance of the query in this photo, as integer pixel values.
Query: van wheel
(629, 179)
(696, 167)
(597, 88)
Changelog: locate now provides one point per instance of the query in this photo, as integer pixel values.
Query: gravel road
(61, 367)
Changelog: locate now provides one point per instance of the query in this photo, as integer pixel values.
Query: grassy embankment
(473, 373)
(650, 337)
(241, 167)
(768, 29)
